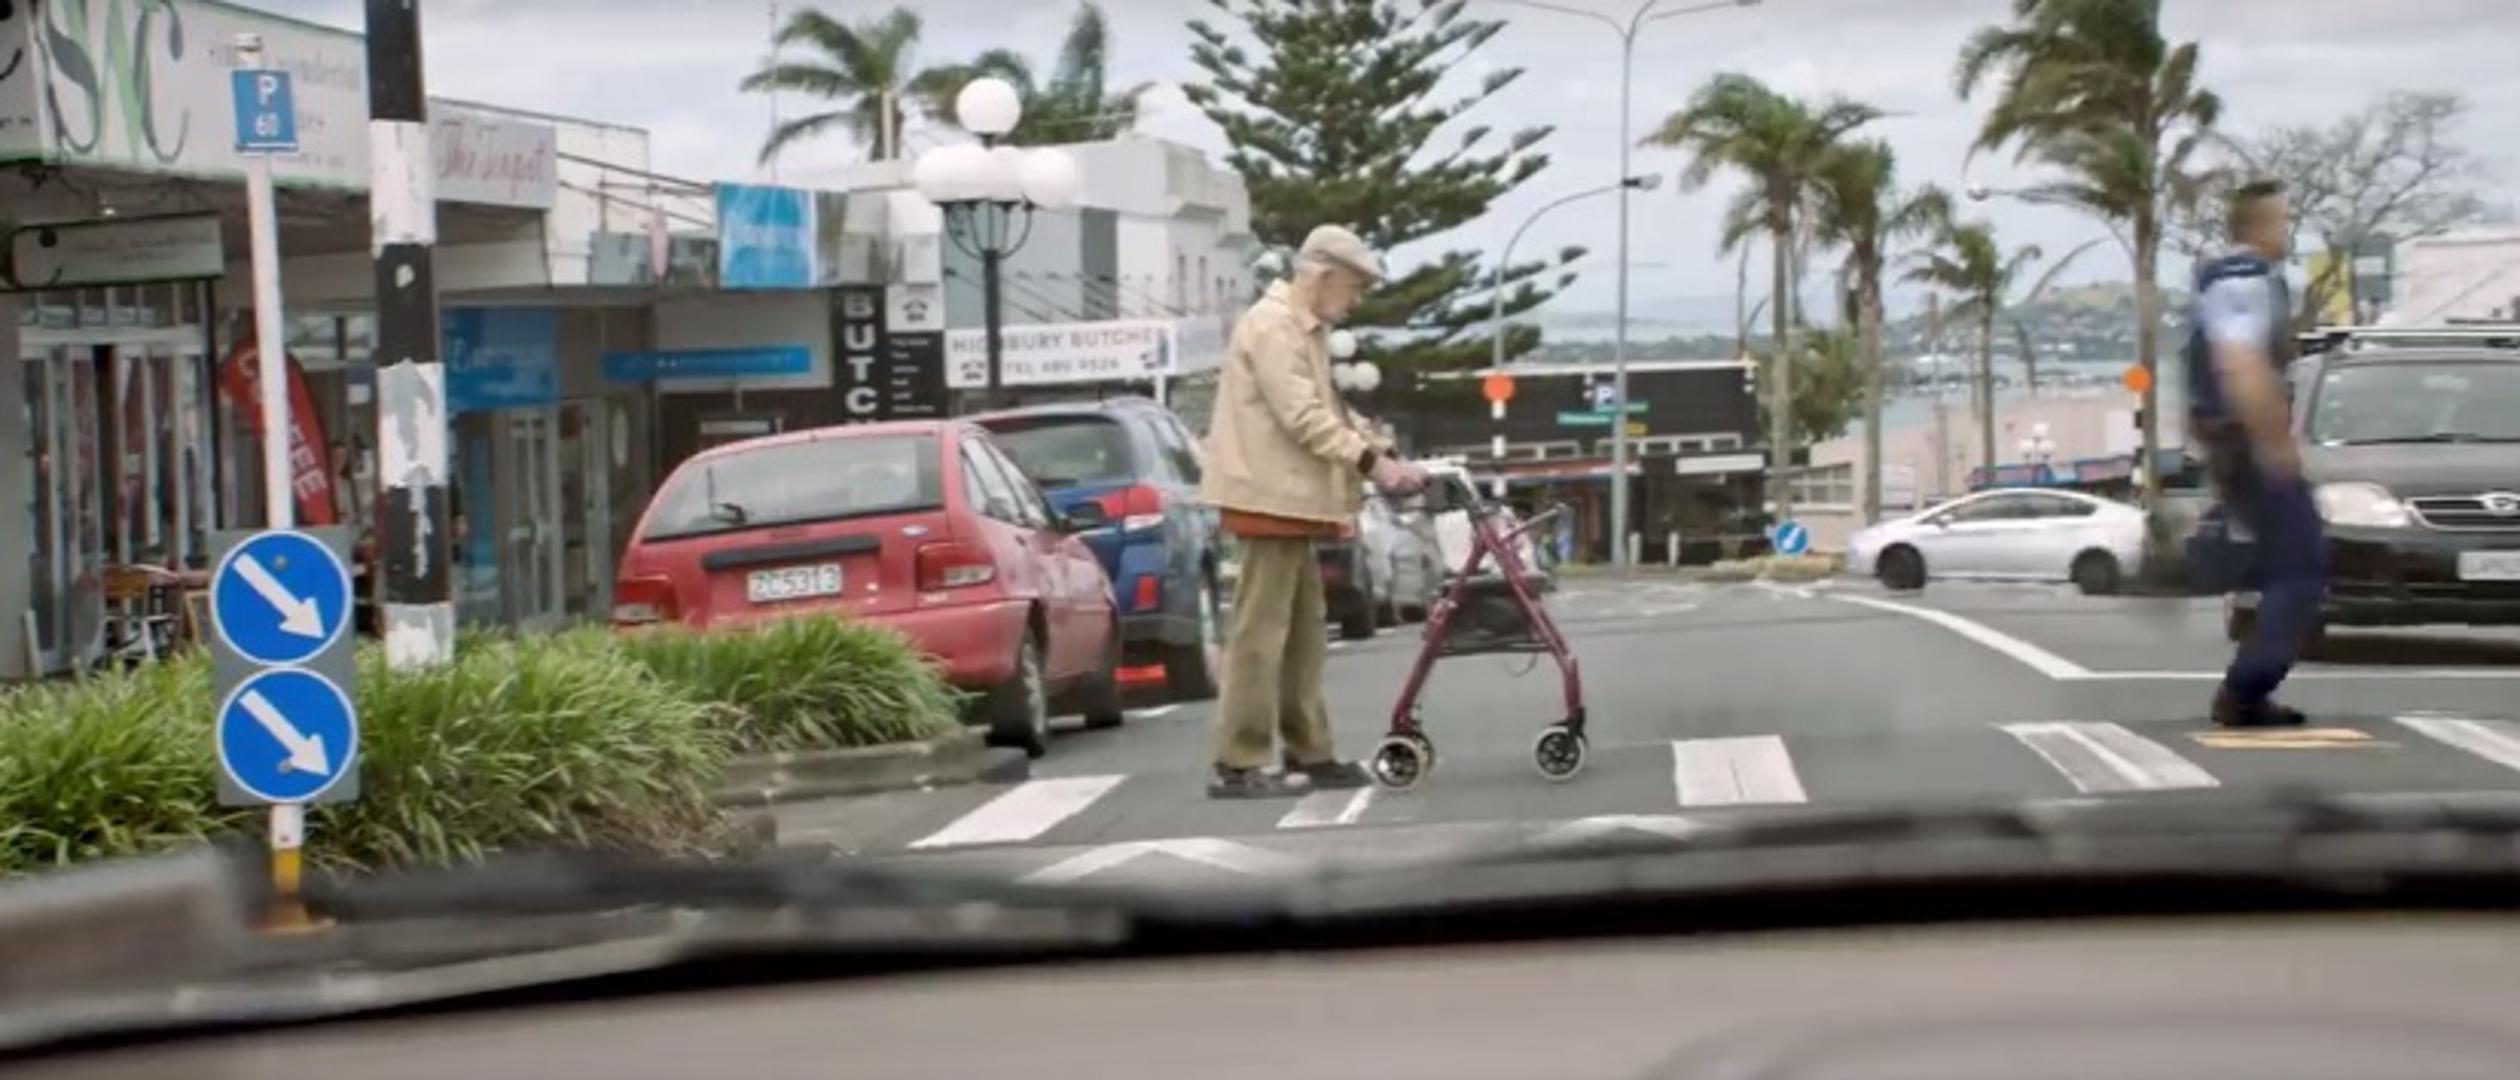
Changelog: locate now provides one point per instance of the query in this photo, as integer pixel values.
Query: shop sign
(494, 161)
(500, 358)
(310, 460)
(887, 373)
(147, 87)
(1719, 464)
(670, 364)
(126, 251)
(1040, 354)
(765, 237)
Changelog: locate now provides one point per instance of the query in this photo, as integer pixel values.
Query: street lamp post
(1627, 32)
(2038, 449)
(990, 195)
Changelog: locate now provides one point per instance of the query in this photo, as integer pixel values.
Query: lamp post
(2038, 449)
(990, 195)
(1627, 32)
(1496, 303)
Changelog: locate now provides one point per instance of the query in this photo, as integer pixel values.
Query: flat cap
(1339, 246)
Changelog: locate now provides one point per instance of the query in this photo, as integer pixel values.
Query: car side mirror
(1085, 516)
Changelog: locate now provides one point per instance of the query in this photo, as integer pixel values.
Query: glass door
(530, 552)
(585, 476)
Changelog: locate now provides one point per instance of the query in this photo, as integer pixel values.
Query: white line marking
(1323, 808)
(1027, 810)
(2102, 757)
(2497, 741)
(1159, 710)
(1734, 771)
(2040, 660)
(1798, 592)
(1205, 850)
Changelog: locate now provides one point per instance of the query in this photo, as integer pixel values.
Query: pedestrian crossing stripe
(2338, 738)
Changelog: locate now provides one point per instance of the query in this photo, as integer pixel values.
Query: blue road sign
(266, 111)
(1790, 538)
(280, 598)
(287, 734)
(1605, 395)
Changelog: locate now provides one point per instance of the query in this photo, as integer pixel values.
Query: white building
(2469, 275)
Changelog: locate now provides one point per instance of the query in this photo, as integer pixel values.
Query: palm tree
(1780, 144)
(1968, 264)
(1861, 207)
(1075, 106)
(2093, 89)
(864, 69)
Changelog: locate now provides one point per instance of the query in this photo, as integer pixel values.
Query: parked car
(924, 527)
(1136, 461)
(1356, 574)
(2008, 533)
(2412, 441)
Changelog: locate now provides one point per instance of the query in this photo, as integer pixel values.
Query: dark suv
(1134, 458)
(2412, 440)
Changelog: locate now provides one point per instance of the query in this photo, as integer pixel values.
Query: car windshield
(2405, 401)
(989, 442)
(787, 483)
(1065, 452)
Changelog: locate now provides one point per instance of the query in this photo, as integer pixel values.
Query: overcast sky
(671, 67)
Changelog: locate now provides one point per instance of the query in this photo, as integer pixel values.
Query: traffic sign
(2137, 377)
(1499, 388)
(266, 111)
(281, 597)
(287, 735)
(1790, 538)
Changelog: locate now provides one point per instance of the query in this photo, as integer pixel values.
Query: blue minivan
(1134, 458)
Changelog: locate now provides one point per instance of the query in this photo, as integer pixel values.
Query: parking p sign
(266, 111)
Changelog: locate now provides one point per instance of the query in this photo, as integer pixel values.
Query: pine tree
(1337, 113)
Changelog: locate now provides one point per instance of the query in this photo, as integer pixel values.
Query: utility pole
(411, 413)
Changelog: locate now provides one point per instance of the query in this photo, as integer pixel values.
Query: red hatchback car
(925, 527)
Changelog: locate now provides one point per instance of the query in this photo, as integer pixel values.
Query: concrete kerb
(956, 757)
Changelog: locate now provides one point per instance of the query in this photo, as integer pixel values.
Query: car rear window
(845, 476)
(1066, 451)
(2408, 401)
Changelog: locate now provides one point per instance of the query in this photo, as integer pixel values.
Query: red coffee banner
(310, 461)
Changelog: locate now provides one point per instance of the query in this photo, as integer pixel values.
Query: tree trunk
(1781, 401)
(2147, 341)
(1986, 394)
(1869, 313)
(890, 137)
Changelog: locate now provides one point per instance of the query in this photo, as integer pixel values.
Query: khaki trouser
(1274, 649)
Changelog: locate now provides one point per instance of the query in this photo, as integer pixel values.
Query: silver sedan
(2007, 534)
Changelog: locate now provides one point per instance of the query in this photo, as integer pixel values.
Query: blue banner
(500, 358)
(708, 363)
(765, 237)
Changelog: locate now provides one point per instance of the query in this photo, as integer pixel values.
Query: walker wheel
(1402, 761)
(1559, 753)
(1426, 748)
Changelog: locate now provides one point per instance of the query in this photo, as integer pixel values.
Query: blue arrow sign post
(1790, 538)
(281, 655)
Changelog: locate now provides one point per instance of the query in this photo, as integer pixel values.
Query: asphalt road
(1708, 700)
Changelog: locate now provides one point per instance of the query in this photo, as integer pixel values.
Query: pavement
(1722, 699)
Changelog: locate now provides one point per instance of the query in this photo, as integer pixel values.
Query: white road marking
(1798, 592)
(1734, 771)
(1581, 829)
(2102, 757)
(2040, 660)
(1159, 710)
(1026, 811)
(1204, 850)
(2497, 741)
(1324, 808)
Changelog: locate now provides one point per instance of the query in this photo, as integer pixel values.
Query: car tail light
(1135, 507)
(639, 601)
(1149, 590)
(954, 566)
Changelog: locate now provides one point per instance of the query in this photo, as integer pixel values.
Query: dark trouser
(2288, 567)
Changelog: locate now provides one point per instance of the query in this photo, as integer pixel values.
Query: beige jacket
(1281, 441)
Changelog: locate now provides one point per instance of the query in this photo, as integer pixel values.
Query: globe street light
(1627, 32)
(991, 193)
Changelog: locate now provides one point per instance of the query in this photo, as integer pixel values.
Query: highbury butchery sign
(1117, 350)
(493, 161)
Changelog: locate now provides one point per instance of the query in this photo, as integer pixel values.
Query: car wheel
(2096, 573)
(1190, 669)
(1099, 700)
(1019, 708)
(1902, 569)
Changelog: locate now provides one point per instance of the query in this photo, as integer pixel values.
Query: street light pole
(1496, 306)
(1627, 32)
(983, 188)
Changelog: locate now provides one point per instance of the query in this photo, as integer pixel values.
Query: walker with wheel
(1498, 613)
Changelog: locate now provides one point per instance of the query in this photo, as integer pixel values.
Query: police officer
(2240, 413)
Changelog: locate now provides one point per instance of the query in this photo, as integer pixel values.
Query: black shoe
(1232, 783)
(2231, 712)
(1332, 775)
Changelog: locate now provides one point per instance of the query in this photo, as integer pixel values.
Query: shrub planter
(956, 757)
